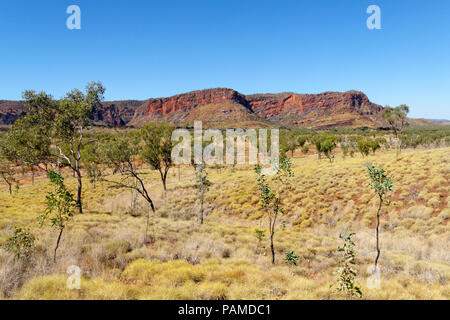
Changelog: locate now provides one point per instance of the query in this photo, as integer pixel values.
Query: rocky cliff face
(294, 109)
(178, 107)
(214, 106)
(288, 109)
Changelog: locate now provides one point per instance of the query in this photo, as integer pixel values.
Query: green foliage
(291, 258)
(157, 147)
(60, 206)
(8, 174)
(305, 149)
(366, 145)
(396, 117)
(325, 143)
(20, 243)
(271, 201)
(92, 160)
(60, 203)
(52, 130)
(381, 183)
(260, 234)
(201, 178)
(346, 282)
(202, 184)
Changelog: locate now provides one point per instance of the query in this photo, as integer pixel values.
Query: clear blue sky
(141, 49)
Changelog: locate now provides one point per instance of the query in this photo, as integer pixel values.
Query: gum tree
(396, 117)
(381, 185)
(53, 130)
(157, 148)
(121, 153)
(69, 125)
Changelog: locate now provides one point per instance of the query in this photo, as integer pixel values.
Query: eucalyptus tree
(157, 148)
(52, 131)
(28, 139)
(121, 153)
(396, 117)
(68, 129)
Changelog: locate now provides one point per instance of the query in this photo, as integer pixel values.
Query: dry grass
(221, 259)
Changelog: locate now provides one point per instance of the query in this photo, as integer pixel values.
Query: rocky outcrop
(293, 109)
(177, 108)
(275, 105)
(222, 105)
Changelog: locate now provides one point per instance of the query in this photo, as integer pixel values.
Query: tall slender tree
(381, 185)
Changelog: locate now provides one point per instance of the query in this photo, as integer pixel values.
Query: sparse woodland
(111, 202)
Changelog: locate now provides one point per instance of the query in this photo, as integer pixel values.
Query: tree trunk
(10, 189)
(152, 210)
(32, 176)
(271, 248)
(61, 229)
(201, 207)
(79, 191)
(378, 233)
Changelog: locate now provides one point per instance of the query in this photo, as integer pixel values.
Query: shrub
(21, 243)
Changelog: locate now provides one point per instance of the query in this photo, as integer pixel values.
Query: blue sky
(141, 48)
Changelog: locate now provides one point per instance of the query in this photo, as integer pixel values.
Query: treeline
(364, 142)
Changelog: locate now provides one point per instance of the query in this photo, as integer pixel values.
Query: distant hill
(440, 121)
(222, 107)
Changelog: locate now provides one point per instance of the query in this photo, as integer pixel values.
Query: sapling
(270, 200)
(381, 185)
(260, 234)
(291, 259)
(202, 185)
(346, 282)
(60, 206)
